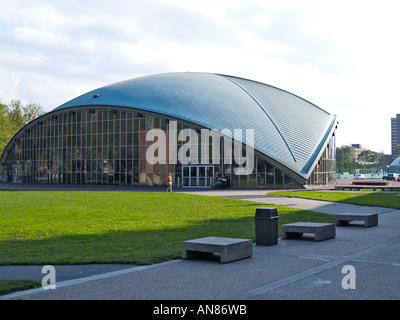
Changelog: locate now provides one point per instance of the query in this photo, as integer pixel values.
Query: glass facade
(325, 171)
(107, 146)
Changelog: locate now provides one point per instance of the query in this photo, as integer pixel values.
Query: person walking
(169, 183)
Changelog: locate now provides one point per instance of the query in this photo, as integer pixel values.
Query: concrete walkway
(292, 269)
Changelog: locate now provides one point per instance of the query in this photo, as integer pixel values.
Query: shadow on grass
(248, 205)
(385, 200)
(374, 199)
(134, 247)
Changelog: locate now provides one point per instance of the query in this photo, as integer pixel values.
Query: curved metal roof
(395, 163)
(287, 128)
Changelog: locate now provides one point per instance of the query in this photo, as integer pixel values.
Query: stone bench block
(369, 219)
(321, 231)
(229, 249)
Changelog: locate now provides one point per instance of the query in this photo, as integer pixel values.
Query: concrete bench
(229, 249)
(321, 231)
(369, 219)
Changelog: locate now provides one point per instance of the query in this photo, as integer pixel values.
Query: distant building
(358, 149)
(395, 131)
(394, 166)
(385, 161)
(395, 163)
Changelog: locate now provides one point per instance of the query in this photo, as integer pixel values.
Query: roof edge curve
(292, 130)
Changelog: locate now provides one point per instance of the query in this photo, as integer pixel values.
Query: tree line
(13, 117)
(347, 159)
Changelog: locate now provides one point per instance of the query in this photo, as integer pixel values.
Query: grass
(8, 286)
(76, 227)
(387, 200)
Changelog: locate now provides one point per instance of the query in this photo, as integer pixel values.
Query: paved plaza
(292, 269)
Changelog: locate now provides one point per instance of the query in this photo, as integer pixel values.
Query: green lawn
(8, 286)
(74, 227)
(387, 200)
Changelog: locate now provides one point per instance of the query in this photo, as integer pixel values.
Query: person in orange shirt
(169, 183)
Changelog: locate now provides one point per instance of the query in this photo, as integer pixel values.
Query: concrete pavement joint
(87, 279)
(385, 263)
(307, 273)
(303, 256)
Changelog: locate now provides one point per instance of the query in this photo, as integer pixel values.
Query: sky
(343, 56)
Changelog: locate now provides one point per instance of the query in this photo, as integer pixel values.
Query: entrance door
(17, 174)
(197, 176)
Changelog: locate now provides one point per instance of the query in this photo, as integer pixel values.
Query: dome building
(395, 163)
(193, 125)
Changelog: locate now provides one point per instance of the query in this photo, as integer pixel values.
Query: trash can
(224, 183)
(266, 221)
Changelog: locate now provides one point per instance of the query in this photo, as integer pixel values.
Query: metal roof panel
(287, 128)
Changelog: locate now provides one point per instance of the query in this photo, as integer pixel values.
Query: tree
(13, 117)
(5, 127)
(369, 156)
(396, 151)
(346, 159)
(346, 154)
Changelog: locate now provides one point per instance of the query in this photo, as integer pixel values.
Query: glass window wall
(108, 147)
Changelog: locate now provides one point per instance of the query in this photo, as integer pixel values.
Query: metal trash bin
(266, 221)
(224, 183)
